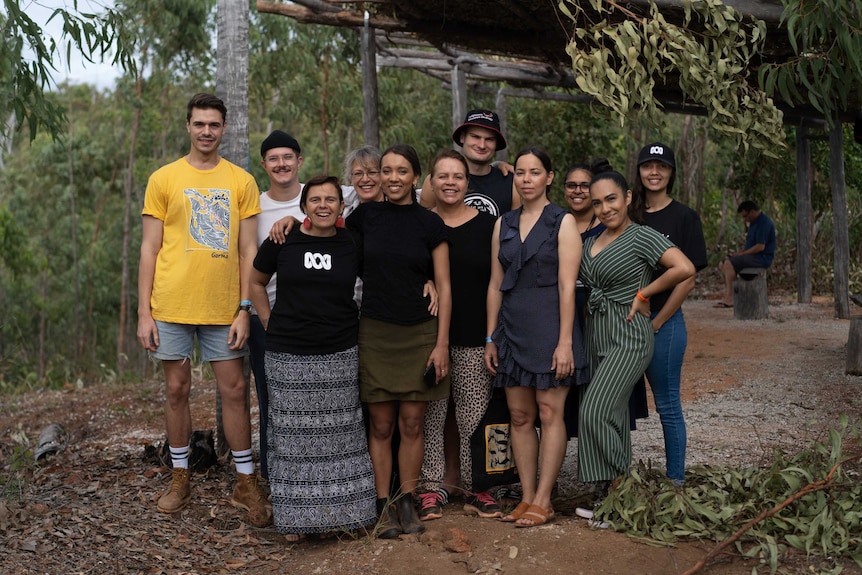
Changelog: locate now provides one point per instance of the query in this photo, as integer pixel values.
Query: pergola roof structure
(530, 34)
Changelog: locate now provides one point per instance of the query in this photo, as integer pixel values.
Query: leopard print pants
(471, 392)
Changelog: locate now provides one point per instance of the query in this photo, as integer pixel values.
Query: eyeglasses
(358, 174)
(583, 186)
(285, 158)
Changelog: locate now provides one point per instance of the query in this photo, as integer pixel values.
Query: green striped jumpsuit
(619, 351)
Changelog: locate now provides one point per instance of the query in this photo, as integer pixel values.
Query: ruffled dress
(529, 322)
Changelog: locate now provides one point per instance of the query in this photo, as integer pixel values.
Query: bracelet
(245, 302)
(642, 297)
(489, 340)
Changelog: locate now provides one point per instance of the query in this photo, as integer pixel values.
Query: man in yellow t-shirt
(199, 242)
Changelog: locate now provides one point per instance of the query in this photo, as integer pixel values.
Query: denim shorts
(177, 342)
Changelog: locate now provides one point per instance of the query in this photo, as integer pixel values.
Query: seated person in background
(758, 252)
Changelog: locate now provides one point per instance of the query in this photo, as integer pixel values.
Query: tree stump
(854, 347)
(749, 294)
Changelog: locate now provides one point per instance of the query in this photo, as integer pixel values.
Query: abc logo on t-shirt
(314, 260)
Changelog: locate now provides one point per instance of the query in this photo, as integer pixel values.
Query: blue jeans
(257, 346)
(664, 374)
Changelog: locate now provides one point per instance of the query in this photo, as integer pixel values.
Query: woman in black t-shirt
(448, 465)
(316, 435)
(681, 225)
(403, 244)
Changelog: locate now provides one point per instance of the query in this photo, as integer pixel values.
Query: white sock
(243, 460)
(180, 457)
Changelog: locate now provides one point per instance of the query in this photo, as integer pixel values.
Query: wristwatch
(243, 307)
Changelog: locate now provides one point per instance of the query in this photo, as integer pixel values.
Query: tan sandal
(537, 515)
(516, 513)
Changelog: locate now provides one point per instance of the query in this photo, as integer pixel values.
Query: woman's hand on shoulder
(281, 228)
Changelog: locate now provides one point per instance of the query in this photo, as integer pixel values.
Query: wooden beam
(340, 18)
(841, 255)
(803, 215)
(494, 72)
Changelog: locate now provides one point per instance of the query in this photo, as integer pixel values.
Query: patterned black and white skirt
(320, 472)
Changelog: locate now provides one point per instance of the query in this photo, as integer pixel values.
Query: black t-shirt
(491, 193)
(470, 270)
(397, 242)
(314, 310)
(681, 225)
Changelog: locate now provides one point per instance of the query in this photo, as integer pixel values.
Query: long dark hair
(636, 207)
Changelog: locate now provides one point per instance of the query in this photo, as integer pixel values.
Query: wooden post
(370, 115)
(803, 215)
(854, 347)
(500, 108)
(459, 94)
(841, 255)
(750, 299)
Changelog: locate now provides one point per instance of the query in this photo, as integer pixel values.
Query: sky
(79, 71)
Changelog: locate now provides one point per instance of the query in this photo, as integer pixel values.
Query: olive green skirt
(392, 359)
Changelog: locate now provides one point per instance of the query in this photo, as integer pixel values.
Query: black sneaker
(483, 505)
(431, 505)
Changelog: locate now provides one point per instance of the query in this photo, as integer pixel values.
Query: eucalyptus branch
(820, 485)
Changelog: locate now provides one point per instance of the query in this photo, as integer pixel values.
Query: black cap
(659, 152)
(483, 119)
(279, 139)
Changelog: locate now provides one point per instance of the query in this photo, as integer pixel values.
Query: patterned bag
(493, 462)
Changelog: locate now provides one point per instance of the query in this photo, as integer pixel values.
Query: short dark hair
(316, 182)
(747, 206)
(449, 154)
(203, 101)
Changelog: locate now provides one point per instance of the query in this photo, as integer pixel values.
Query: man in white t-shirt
(281, 158)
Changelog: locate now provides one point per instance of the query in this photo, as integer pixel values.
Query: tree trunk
(232, 88)
(76, 326)
(803, 215)
(232, 78)
(324, 90)
(841, 255)
(854, 347)
(127, 231)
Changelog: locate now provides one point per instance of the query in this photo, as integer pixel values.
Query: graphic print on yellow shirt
(209, 221)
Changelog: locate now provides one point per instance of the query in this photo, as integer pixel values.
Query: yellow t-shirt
(197, 270)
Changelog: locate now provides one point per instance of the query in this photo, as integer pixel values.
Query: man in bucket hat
(490, 191)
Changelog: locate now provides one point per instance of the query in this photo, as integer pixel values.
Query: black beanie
(279, 139)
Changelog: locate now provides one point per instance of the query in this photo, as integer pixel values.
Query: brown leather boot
(179, 493)
(249, 496)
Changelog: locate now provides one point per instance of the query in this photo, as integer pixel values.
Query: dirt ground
(749, 386)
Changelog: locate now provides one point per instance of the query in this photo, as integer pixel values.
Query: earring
(306, 223)
(339, 223)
